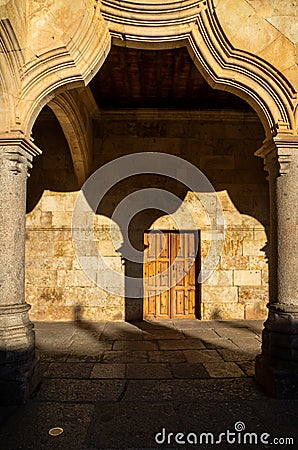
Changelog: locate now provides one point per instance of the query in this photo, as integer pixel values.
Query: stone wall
(221, 144)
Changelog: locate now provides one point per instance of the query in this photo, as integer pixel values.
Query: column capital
(278, 153)
(18, 140)
(18, 151)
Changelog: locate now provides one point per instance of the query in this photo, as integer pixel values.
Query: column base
(17, 389)
(19, 368)
(279, 379)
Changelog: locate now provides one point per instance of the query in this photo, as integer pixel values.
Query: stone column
(18, 367)
(277, 366)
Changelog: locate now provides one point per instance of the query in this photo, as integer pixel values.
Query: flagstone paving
(116, 385)
(151, 349)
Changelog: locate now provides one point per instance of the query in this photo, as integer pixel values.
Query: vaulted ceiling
(133, 78)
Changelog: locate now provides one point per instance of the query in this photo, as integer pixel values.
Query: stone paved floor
(116, 385)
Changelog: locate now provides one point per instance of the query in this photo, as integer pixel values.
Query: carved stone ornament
(17, 154)
(277, 153)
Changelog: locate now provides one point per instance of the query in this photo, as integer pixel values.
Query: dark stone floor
(116, 385)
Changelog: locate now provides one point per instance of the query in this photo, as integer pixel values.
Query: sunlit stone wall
(220, 144)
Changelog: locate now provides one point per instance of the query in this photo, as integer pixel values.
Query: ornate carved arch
(244, 74)
(11, 63)
(65, 67)
(155, 24)
(195, 24)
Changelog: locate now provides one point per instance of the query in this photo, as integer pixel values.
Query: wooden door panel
(190, 245)
(191, 302)
(164, 274)
(178, 272)
(164, 245)
(179, 303)
(169, 274)
(150, 272)
(164, 310)
(151, 302)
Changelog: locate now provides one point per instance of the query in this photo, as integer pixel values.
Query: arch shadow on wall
(54, 171)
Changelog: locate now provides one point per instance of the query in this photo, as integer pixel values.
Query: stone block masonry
(56, 286)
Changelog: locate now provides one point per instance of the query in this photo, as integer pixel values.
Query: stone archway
(73, 60)
(70, 61)
(70, 109)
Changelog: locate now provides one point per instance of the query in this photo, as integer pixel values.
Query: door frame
(197, 262)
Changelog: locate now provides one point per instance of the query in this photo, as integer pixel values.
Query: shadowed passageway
(116, 385)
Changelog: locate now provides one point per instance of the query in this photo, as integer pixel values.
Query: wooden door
(170, 272)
